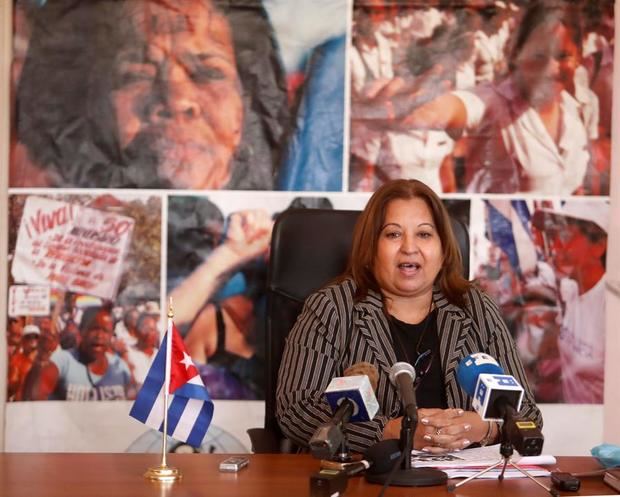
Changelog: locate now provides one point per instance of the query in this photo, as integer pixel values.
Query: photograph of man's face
(177, 97)
(97, 337)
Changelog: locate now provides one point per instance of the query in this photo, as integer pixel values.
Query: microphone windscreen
(472, 366)
(401, 368)
(382, 455)
(364, 368)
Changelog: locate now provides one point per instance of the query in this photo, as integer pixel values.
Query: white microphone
(491, 390)
(351, 399)
(402, 375)
(358, 391)
(497, 397)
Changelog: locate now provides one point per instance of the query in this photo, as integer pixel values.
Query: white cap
(31, 329)
(596, 212)
(152, 307)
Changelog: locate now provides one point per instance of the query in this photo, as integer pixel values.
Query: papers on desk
(471, 461)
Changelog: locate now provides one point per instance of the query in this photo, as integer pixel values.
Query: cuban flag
(508, 227)
(190, 408)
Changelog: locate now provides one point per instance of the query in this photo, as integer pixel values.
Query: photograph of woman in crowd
(528, 122)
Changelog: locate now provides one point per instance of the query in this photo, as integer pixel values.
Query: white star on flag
(187, 360)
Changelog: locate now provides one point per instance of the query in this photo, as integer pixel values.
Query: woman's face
(572, 251)
(409, 251)
(546, 63)
(178, 98)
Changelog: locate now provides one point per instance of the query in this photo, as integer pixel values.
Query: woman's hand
(442, 430)
(248, 235)
(448, 430)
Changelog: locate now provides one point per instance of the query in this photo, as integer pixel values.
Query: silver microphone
(402, 375)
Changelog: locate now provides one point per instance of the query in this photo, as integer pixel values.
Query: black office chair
(309, 248)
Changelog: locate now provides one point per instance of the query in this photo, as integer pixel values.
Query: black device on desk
(565, 481)
(328, 483)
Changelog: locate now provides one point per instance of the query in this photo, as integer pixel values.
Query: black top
(418, 344)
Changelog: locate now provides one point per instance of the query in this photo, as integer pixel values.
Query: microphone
(497, 397)
(402, 375)
(357, 386)
(483, 379)
(352, 399)
(382, 455)
(378, 459)
(473, 365)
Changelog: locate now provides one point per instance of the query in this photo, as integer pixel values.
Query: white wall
(572, 430)
(58, 426)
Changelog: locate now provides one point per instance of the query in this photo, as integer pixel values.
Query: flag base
(163, 474)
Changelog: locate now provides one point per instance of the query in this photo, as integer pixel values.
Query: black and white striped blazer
(333, 332)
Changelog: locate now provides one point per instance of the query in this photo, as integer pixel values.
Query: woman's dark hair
(423, 54)
(195, 227)
(544, 12)
(64, 116)
(368, 229)
(266, 112)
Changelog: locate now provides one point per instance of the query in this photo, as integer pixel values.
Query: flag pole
(163, 472)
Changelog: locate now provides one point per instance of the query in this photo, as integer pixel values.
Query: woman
(529, 132)
(401, 298)
(150, 94)
(216, 280)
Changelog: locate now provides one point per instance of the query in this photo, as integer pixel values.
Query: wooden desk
(268, 475)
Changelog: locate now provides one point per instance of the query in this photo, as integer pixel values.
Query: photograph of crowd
(482, 96)
(544, 262)
(69, 336)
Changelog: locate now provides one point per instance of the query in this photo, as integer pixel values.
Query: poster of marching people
(482, 96)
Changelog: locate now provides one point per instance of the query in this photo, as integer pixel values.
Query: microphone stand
(329, 441)
(402, 474)
(506, 450)
(343, 454)
(407, 429)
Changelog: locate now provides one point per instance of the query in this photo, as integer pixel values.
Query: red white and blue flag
(508, 227)
(190, 408)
